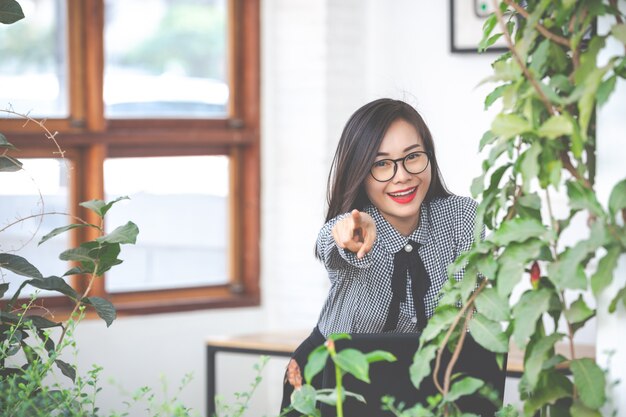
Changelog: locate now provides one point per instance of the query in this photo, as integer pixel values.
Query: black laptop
(392, 378)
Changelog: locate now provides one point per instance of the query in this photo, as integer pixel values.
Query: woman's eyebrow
(417, 145)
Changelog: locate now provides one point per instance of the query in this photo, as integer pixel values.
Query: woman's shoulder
(453, 204)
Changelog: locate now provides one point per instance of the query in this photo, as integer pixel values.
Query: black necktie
(407, 259)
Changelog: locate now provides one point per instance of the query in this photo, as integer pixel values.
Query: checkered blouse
(360, 291)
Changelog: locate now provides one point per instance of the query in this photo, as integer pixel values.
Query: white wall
(610, 156)
(321, 59)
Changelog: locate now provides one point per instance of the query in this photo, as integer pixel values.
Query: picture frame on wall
(466, 26)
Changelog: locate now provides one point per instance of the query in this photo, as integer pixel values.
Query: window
(157, 100)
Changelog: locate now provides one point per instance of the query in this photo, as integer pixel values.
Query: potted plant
(541, 148)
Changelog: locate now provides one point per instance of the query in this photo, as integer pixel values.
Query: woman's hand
(356, 233)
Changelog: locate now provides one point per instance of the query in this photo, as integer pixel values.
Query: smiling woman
(392, 229)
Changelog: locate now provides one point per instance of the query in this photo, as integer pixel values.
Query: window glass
(33, 61)
(172, 65)
(180, 205)
(35, 195)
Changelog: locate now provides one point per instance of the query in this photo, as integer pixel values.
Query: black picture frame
(466, 25)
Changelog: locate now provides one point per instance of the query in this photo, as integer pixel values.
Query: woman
(391, 230)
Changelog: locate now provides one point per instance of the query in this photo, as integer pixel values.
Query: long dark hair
(357, 149)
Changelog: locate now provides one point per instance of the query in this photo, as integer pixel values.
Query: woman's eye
(413, 155)
(381, 164)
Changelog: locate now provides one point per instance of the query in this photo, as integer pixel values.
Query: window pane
(180, 205)
(21, 199)
(33, 67)
(173, 64)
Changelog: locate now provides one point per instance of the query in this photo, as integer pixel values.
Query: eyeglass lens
(385, 169)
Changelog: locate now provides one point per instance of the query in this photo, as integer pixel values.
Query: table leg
(210, 383)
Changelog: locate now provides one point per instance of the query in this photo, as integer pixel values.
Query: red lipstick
(403, 198)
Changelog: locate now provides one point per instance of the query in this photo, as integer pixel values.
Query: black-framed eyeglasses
(414, 163)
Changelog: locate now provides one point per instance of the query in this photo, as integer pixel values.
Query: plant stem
(444, 342)
(570, 339)
(59, 213)
(79, 302)
(518, 59)
(542, 29)
(457, 350)
(554, 224)
(330, 345)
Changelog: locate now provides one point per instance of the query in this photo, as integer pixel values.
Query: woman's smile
(403, 196)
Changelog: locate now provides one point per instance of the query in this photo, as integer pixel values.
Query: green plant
(31, 344)
(10, 11)
(541, 145)
(346, 361)
(242, 399)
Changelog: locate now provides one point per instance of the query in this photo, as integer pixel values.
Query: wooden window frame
(90, 138)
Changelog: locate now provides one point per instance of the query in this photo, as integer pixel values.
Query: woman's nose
(402, 174)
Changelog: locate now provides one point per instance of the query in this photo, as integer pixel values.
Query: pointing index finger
(356, 217)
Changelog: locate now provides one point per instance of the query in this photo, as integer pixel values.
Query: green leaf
(555, 127)
(10, 11)
(463, 387)
(578, 313)
(586, 104)
(487, 266)
(568, 271)
(100, 207)
(42, 323)
(303, 400)
(518, 230)
(535, 359)
(490, 304)
(63, 229)
(353, 362)
(19, 265)
(488, 138)
(106, 256)
(578, 409)
(590, 382)
(512, 264)
(553, 386)
(55, 284)
(509, 125)
(9, 164)
(123, 234)
(529, 308)
(67, 369)
(315, 363)
(439, 322)
(621, 295)
(617, 199)
(420, 368)
(379, 356)
(583, 198)
(619, 31)
(477, 185)
(605, 89)
(103, 307)
(488, 334)
(529, 166)
(604, 274)
(80, 254)
(492, 97)
(4, 287)
(4, 143)
(339, 336)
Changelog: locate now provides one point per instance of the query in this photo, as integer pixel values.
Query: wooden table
(284, 343)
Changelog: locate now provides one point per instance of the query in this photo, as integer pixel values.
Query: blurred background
(219, 118)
